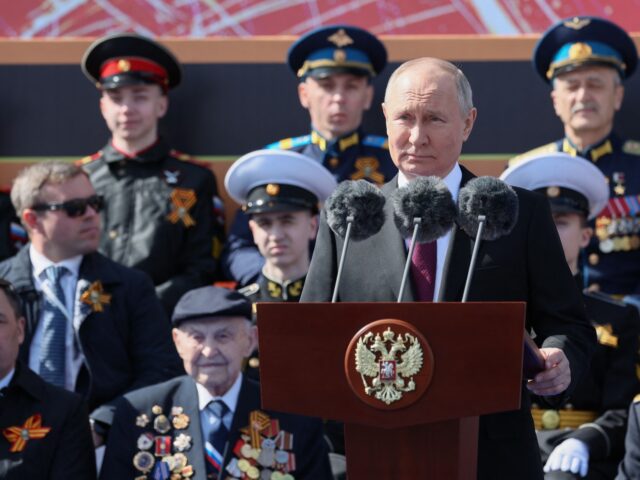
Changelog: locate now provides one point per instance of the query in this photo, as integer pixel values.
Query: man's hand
(556, 376)
(570, 456)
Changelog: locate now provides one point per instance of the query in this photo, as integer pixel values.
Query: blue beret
(337, 48)
(206, 302)
(579, 41)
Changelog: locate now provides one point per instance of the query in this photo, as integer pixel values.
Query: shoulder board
(606, 298)
(289, 143)
(632, 147)
(376, 141)
(636, 399)
(185, 157)
(88, 159)
(249, 290)
(548, 148)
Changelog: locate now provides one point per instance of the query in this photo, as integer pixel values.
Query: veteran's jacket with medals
(136, 430)
(607, 388)
(354, 156)
(613, 256)
(58, 445)
(119, 326)
(162, 216)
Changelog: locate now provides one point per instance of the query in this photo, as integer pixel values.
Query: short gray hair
(27, 186)
(463, 87)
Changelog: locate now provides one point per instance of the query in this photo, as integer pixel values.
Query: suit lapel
(458, 258)
(390, 241)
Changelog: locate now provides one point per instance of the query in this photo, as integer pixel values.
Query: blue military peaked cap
(337, 48)
(579, 41)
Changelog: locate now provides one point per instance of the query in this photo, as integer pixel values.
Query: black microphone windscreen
(358, 199)
(429, 199)
(490, 197)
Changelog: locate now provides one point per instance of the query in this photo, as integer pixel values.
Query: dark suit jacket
(527, 265)
(126, 346)
(66, 451)
(309, 448)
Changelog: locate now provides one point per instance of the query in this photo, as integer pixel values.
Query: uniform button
(113, 234)
(594, 258)
(254, 362)
(550, 419)
(333, 162)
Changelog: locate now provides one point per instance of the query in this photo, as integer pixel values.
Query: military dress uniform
(353, 156)
(596, 412)
(159, 216)
(162, 214)
(613, 258)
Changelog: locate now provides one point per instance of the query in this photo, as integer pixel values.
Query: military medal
(180, 421)
(32, 429)
(95, 297)
(180, 460)
(266, 455)
(606, 246)
(145, 441)
(143, 461)
(175, 411)
(618, 177)
(182, 442)
(161, 471)
(142, 420)
(161, 424)
(163, 446)
(156, 409)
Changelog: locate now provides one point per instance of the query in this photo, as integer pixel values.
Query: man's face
(425, 126)
(56, 234)
(336, 103)
(213, 349)
(283, 237)
(586, 99)
(11, 335)
(132, 112)
(573, 235)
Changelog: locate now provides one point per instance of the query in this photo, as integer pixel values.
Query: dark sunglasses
(73, 208)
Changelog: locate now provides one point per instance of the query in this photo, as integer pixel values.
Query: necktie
(52, 353)
(217, 434)
(423, 270)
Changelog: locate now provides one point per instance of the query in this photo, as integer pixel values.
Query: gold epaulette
(548, 148)
(88, 159)
(636, 399)
(631, 147)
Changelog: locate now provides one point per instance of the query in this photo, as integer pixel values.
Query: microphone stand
(343, 256)
(417, 222)
(474, 255)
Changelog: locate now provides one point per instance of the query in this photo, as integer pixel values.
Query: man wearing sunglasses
(92, 325)
(59, 443)
(162, 213)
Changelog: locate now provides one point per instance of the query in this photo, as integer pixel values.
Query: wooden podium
(475, 369)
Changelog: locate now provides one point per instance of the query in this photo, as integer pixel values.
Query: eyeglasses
(74, 208)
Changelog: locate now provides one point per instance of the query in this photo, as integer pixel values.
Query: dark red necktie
(423, 270)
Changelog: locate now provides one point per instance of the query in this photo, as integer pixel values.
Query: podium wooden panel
(477, 350)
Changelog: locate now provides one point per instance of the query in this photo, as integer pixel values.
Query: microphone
(423, 210)
(355, 210)
(487, 210)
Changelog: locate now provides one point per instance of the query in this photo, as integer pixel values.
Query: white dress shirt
(230, 398)
(73, 357)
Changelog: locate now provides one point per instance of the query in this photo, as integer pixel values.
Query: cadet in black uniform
(585, 435)
(335, 66)
(586, 59)
(162, 213)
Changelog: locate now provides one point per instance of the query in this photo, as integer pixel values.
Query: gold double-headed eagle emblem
(384, 375)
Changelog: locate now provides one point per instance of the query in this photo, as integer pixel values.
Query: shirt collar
(452, 180)
(39, 263)
(4, 382)
(230, 398)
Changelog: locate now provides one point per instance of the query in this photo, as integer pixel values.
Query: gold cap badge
(124, 65)
(579, 51)
(577, 23)
(272, 189)
(553, 192)
(340, 39)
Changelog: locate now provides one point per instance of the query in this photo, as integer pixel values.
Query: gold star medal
(95, 297)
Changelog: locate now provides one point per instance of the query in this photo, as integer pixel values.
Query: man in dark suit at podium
(429, 115)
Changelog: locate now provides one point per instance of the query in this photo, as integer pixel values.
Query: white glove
(570, 456)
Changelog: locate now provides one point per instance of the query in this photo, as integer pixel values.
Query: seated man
(45, 429)
(92, 325)
(209, 424)
(584, 437)
(629, 468)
